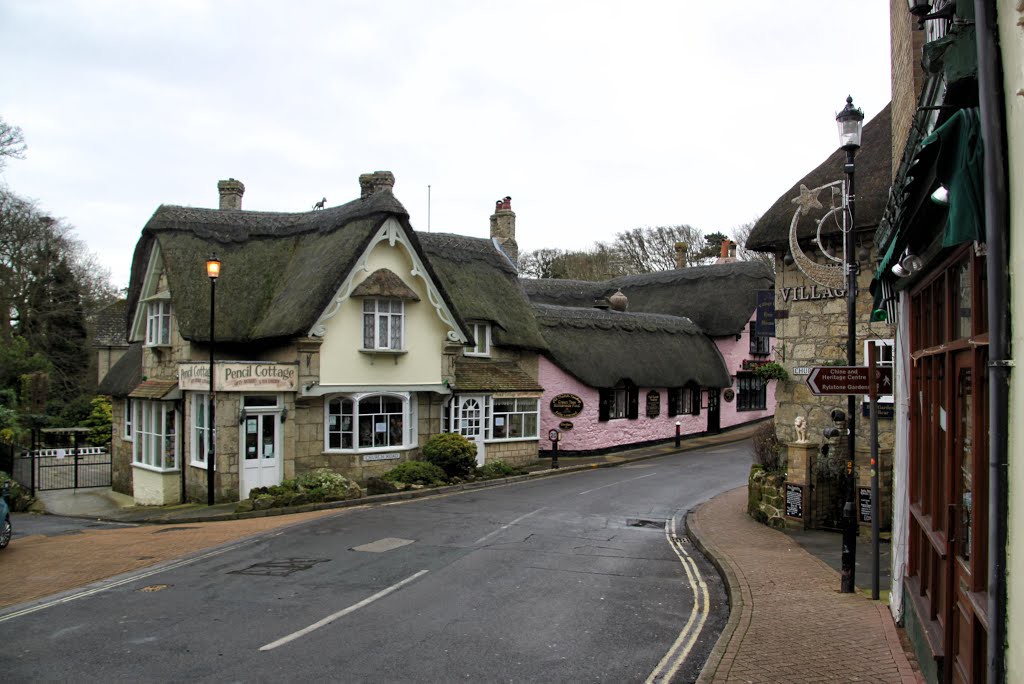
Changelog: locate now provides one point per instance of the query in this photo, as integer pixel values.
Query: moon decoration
(827, 275)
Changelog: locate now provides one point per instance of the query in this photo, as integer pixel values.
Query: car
(5, 514)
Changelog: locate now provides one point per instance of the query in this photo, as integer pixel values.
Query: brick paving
(788, 620)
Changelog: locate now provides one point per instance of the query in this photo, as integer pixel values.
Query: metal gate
(829, 481)
(71, 468)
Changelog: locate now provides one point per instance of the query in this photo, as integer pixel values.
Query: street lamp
(850, 121)
(212, 272)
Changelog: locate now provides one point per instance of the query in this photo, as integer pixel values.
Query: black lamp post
(213, 272)
(850, 121)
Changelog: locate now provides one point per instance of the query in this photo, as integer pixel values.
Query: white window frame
(482, 335)
(493, 415)
(409, 431)
(376, 316)
(889, 344)
(127, 435)
(199, 434)
(158, 323)
(151, 435)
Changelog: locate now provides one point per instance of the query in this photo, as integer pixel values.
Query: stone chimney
(503, 228)
(370, 183)
(728, 253)
(681, 248)
(231, 192)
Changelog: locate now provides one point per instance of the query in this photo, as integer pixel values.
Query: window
(621, 401)
(513, 419)
(155, 444)
(883, 358)
(158, 323)
(760, 345)
(482, 335)
(684, 401)
(200, 445)
(382, 324)
(377, 421)
(128, 410)
(751, 394)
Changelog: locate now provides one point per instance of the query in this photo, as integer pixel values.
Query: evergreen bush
(417, 473)
(452, 453)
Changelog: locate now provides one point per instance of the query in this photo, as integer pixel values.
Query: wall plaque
(653, 404)
(381, 457)
(864, 504)
(794, 500)
(729, 394)
(565, 425)
(566, 405)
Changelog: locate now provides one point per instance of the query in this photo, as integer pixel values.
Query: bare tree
(12, 142)
(740, 234)
(600, 262)
(647, 249)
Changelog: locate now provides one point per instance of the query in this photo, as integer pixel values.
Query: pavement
(788, 622)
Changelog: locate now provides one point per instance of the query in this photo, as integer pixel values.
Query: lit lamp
(850, 122)
(212, 272)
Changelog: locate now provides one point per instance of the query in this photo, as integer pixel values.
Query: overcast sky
(595, 117)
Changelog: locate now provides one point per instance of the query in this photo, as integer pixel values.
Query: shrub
(767, 448)
(18, 497)
(454, 454)
(312, 486)
(771, 371)
(416, 472)
(495, 469)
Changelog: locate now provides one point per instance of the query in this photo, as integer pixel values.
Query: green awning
(958, 166)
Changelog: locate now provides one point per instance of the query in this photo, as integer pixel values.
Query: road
(573, 578)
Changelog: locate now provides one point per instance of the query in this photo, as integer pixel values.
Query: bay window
(366, 422)
(155, 444)
(502, 418)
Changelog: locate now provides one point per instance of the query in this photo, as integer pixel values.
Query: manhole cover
(280, 568)
(638, 522)
(155, 587)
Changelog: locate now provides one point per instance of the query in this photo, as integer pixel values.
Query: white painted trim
(324, 390)
(409, 417)
(393, 233)
(149, 285)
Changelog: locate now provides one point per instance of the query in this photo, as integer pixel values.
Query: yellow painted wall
(155, 489)
(1012, 41)
(341, 362)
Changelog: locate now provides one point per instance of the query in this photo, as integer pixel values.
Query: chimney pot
(231, 192)
(371, 183)
(618, 301)
(503, 228)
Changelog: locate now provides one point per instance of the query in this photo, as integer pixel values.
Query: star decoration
(808, 199)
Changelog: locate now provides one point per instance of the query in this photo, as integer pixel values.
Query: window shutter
(633, 412)
(674, 394)
(604, 404)
(696, 401)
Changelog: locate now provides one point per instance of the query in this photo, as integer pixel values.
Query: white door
(471, 423)
(261, 456)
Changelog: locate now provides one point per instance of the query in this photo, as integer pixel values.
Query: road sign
(848, 380)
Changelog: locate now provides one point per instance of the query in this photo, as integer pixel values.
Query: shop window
(155, 443)
(751, 393)
(513, 419)
(158, 323)
(383, 324)
(482, 335)
(200, 433)
(760, 345)
(367, 422)
(684, 401)
(621, 401)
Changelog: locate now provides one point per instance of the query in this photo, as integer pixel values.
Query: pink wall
(590, 433)
(734, 352)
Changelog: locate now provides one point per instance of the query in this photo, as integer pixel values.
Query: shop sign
(653, 404)
(567, 405)
(794, 500)
(565, 425)
(764, 324)
(804, 293)
(729, 395)
(239, 376)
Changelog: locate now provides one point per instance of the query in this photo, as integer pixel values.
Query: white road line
(617, 483)
(341, 613)
(673, 659)
(505, 527)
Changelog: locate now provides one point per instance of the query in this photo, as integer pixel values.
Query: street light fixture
(850, 121)
(212, 272)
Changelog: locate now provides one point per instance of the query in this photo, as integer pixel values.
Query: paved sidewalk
(788, 621)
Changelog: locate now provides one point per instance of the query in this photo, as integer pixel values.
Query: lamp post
(213, 272)
(850, 121)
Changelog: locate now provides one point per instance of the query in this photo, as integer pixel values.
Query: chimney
(728, 253)
(503, 228)
(681, 248)
(231, 192)
(370, 183)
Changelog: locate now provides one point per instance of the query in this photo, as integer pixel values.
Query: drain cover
(173, 529)
(636, 522)
(280, 568)
(154, 587)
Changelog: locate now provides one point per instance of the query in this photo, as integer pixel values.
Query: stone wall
(766, 498)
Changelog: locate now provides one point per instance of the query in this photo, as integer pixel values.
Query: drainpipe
(993, 130)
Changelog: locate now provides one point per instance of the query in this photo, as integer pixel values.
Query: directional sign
(848, 380)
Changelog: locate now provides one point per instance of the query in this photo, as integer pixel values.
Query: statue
(801, 428)
(320, 204)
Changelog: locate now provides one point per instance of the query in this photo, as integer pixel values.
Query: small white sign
(381, 457)
(802, 370)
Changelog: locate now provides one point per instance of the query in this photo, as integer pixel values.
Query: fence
(52, 468)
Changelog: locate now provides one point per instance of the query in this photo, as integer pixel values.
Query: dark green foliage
(313, 486)
(378, 485)
(18, 497)
(771, 371)
(452, 453)
(768, 448)
(99, 420)
(496, 469)
(416, 472)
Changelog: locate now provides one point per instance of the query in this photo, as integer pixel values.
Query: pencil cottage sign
(239, 376)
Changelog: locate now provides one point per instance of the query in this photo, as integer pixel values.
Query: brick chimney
(231, 192)
(681, 248)
(728, 253)
(370, 183)
(503, 228)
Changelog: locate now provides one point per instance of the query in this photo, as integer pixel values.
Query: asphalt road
(584, 577)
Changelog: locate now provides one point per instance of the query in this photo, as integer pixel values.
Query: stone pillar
(799, 456)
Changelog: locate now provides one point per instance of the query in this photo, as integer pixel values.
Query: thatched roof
(720, 298)
(279, 270)
(873, 176)
(385, 283)
(484, 286)
(488, 375)
(110, 325)
(125, 375)
(600, 348)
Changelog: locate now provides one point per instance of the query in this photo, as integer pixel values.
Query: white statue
(801, 428)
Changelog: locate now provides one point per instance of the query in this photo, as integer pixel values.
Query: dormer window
(482, 335)
(383, 324)
(158, 323)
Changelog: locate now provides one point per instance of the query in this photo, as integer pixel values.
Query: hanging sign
(566, 405)
(764, 324)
